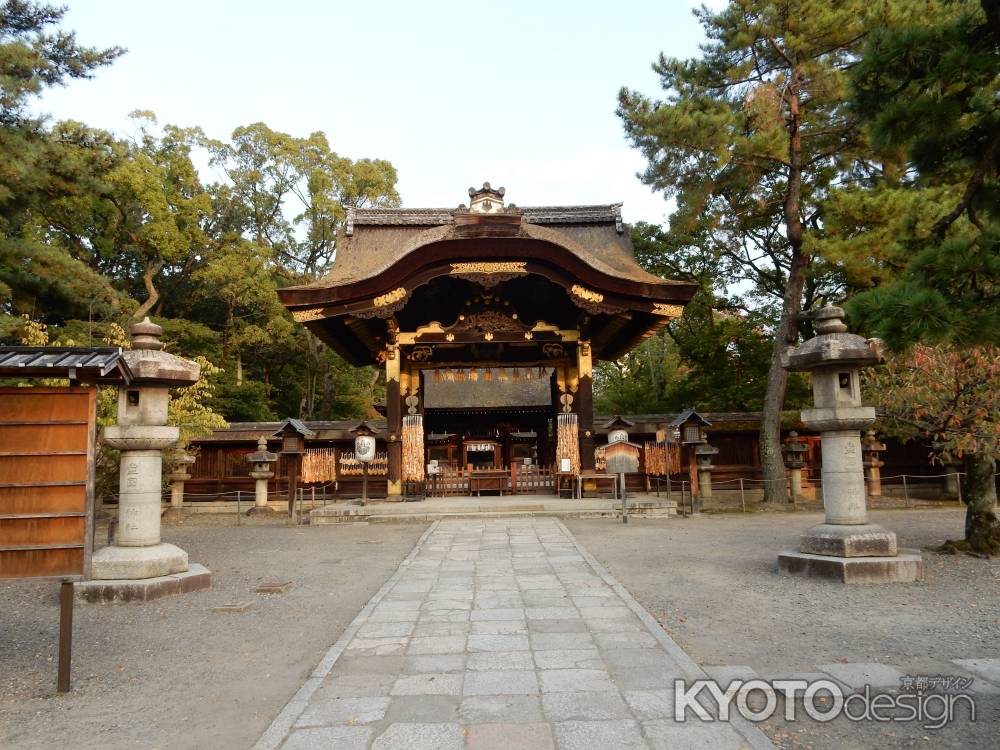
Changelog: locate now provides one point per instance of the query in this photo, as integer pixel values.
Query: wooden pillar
(585, 404)
(394, 422)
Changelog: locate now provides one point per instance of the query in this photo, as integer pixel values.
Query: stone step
(380, 511)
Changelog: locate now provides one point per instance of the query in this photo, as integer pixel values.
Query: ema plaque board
(47, 438)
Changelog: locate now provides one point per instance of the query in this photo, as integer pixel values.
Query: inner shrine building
(487, 319)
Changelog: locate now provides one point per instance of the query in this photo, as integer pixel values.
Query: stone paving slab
(986, 669)
(500, 633)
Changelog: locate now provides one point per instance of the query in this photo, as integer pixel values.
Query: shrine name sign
(47, 437)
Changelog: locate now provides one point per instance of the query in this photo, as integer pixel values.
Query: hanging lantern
(474, 374)
(516, 374)
(364, 442)
(437, 376)
(488, 374)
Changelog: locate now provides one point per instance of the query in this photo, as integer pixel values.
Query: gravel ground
(174, 674)
(712, 583)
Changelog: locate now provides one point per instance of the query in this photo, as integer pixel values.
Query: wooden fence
(521, 480)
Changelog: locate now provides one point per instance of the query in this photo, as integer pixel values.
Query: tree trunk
(771, 460)
(152, 268)
(326, 405)
(775, 487)
(979, 492)
(239, 368)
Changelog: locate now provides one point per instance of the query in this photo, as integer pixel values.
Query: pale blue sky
(522, 94)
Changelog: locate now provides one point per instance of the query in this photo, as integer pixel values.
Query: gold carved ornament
(421, 353)
(667, 311)
(388, 298)
(588, 295)
(516, 267)
(304, 316)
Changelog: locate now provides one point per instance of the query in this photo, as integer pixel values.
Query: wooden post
(585, 404)
(294, 460)
(394, 422)
(65, 635)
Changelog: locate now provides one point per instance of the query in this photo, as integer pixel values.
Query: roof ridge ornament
(486, 200)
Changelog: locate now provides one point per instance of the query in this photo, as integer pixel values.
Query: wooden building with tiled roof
(515, 304)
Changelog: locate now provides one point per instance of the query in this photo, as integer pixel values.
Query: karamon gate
(488, 320)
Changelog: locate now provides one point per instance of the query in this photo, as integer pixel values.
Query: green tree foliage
(932, 88)
(38, 163)
(714, 357)
(97, 231)
(750, 138)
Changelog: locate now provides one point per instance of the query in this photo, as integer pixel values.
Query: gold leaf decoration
(586, 294)
(389, 297)
(667, 311)
(304, 316)
(458, 269)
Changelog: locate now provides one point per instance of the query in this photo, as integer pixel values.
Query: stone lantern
(141, 434)
(847, 547)
(871, 449)
(262, 462)
(794, 453)
(178, 477)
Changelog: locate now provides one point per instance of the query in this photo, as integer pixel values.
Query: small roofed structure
(618, 422)
(691, 426)
(364, 429)
(102, 365)
(293, 433)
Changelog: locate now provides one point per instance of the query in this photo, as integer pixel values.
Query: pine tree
(749, 138)
(933, 89)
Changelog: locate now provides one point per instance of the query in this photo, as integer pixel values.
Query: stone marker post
(847, 547)
(262, 462)
(141, 434)
(703, 457)
(794, 452)
(178, 477)
(952, 487)
(871, 449)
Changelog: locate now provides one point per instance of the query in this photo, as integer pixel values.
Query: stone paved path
(500, 634)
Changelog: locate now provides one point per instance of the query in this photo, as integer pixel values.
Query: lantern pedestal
(905, 567)
(260, 493)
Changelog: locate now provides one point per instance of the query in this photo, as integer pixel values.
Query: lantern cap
(832, 346)
(690, 415)
(618, 422)
(262, 455)
(364, 429)
(151, 366)
(294, 427)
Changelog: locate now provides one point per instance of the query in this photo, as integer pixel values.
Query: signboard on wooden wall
(47, 437)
